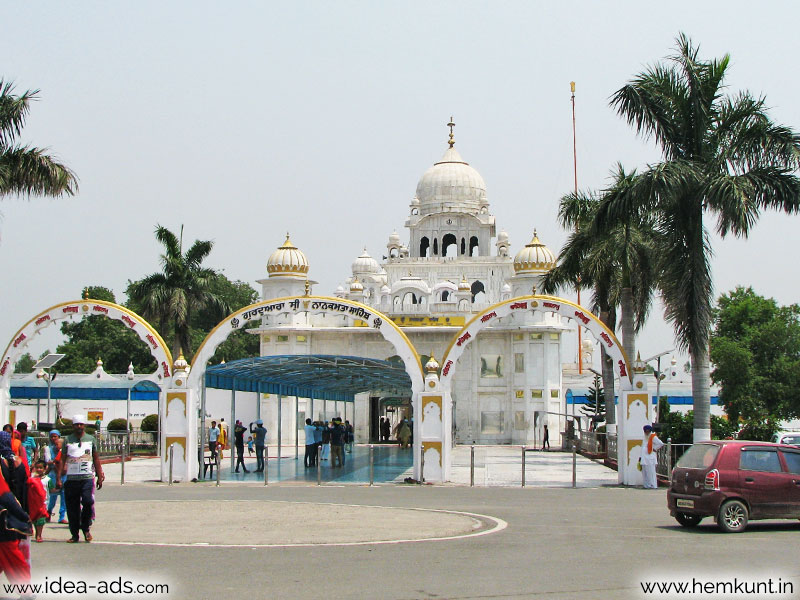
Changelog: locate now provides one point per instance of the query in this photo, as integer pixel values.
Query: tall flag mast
(575, 175)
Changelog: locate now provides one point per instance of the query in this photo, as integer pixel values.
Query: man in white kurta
(649, 459)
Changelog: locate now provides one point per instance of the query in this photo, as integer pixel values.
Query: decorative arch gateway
(634, 408)
(179, 416)
(79, 308)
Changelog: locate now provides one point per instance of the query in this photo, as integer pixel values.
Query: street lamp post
(44, 365)
(658, 375)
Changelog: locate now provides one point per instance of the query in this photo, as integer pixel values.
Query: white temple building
(450, 265)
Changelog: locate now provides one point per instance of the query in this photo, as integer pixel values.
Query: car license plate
(681, 503)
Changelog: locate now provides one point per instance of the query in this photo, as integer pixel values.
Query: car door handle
(796, 482)
(748, 480)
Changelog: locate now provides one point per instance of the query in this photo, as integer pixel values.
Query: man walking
(260, 437)
(238, 437)
(80, 463)
(310, 459)
(337, 444)
(213, 436)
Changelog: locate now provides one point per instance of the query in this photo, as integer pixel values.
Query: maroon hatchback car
(735, 482)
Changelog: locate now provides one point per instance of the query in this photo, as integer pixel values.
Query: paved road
(560, 543)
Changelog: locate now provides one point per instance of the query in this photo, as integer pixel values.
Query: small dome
(587, 344)
(502, 236)
(506, 288)
(355, 285)
(415, 201)
(365, 264)
(432, 366)
(339, 290)
(534, 257)
(394, 239)
(385, 289)
(463, 285)
(287, 260)
(451, 185)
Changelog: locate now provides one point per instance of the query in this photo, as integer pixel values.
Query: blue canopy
(72, 388)
(320, 376)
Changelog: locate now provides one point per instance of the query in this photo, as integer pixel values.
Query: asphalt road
(559, 543)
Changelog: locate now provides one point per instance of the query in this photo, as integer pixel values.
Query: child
(250, 444)
(38, 482)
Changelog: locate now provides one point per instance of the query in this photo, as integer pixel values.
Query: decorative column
(433, 424)
(634, 411)
(178, 427)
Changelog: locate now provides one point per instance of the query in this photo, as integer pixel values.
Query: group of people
(327, 439)
(218, 440)
(66, 469)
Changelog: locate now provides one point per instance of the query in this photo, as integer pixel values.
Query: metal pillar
(203, 432)
(311, 400)
(232, 425)
(280, 422)
(296, 427)
(324, 409)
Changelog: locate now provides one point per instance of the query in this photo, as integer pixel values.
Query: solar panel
(48, 361)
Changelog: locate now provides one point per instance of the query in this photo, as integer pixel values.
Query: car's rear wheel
(688, 520)
(733, 516)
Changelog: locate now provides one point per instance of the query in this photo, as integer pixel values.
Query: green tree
(617, 260)
(98, 337)
(595, 402)
(25, 364)
(721, 155)
(755, 349)
(235, 295)
(25, 170)
(172, 297)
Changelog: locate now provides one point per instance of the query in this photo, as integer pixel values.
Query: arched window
(473, 246)
(409, 299)
(424, 245)
(393, 253)
(449, 245)
(435, 247)
(445, 295)
(478, 292)
(463, 246)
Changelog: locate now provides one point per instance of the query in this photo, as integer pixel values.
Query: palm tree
(721, 155)
(618, 262)
(25, 170)
(182, 288)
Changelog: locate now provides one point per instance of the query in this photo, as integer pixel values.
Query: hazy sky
(243, 120)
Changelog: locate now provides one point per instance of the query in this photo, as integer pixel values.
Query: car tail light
(712, 480)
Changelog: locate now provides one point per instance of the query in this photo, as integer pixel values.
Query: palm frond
(30, 171)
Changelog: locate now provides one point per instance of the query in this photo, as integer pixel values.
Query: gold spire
(308, 288)
(452, 140)
(86, 293)
(288, 243)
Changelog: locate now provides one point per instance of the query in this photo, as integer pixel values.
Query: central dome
(451, 185)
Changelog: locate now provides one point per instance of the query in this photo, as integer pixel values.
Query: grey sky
(245, 120)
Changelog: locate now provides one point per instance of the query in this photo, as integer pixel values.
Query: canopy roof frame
(320, 376)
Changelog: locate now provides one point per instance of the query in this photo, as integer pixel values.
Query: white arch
(542, 304)
(313, 305)
(78, 308)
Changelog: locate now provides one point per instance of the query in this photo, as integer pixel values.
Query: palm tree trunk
(608, 387)
(628, 327)
(701, 395)
(607, 367)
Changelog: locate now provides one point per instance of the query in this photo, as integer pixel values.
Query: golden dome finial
(452, 140)
(533, 291)
(308, 288)
(86, 293)
(432, 366)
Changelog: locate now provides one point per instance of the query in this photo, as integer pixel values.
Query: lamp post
(658, 375)
(43, 365)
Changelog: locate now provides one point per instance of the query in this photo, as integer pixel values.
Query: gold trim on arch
(127, 311)
(583, 309)
(383, 316)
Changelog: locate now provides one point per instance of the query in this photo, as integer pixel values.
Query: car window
(699, 456)
(760, 459)
(792, 461)
(791, 439)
